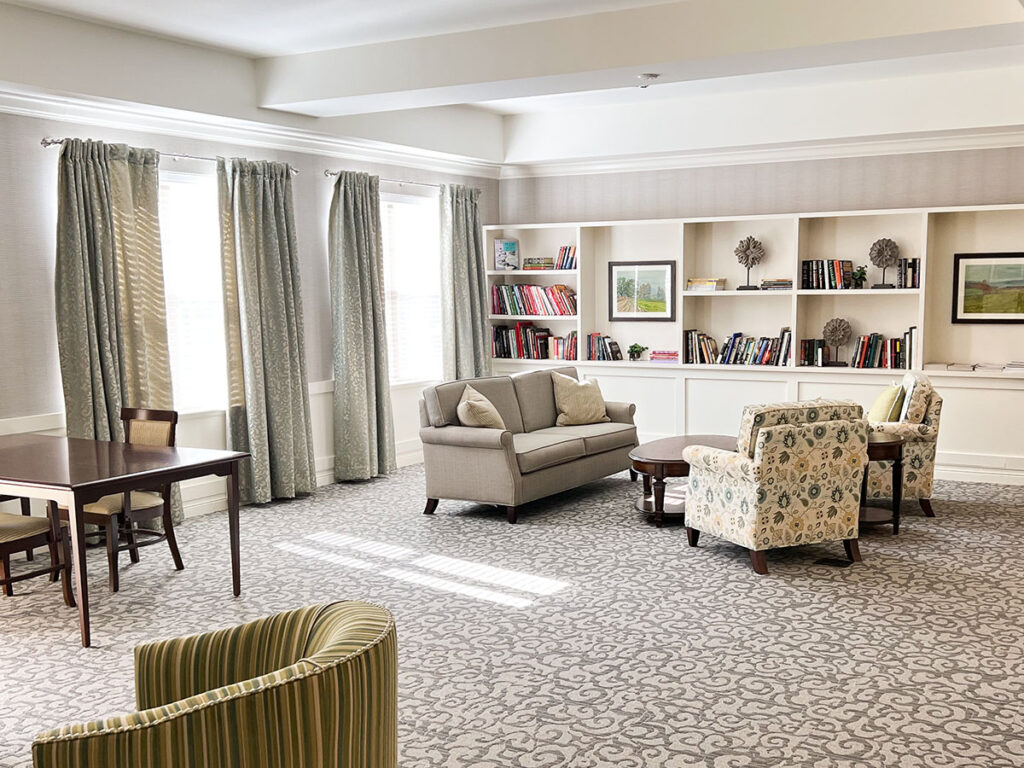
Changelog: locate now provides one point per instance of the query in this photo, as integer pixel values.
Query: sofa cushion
(597, 438)
(537, 450)
(442, 401)
(475, 410)
(536, 396)
(578, 402)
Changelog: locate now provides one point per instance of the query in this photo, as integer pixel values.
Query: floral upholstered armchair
(919, 426)
(794, 479)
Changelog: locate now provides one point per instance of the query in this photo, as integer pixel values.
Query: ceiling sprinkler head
(646, 78)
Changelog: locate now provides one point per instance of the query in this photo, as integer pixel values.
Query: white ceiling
(281, 27)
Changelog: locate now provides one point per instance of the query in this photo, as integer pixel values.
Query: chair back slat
(145, 426)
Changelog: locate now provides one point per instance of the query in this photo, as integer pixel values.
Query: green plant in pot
(860, 276)
(635, 350)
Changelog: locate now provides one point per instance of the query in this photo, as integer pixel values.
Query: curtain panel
(268, 409)
(466, 346)
(364, 439)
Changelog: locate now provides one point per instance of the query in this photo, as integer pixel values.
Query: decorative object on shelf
(988, 288)
(749, 253)
(642, 290)
(884, 254)
(506, 254)
(635, 350)
(836, 333)
(860, 276)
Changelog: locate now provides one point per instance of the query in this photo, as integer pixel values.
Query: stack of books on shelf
(814, 352)
(533, 300)
(669, 356)
(738, 349)
(566, 257)
(524, 341)
(1015, 367)
(538, 263)
(875, 351)
(562, 347)
(705, 284)
(828, 274)
(777, 284)
(700, 348)
(602, 348)
(908, 273)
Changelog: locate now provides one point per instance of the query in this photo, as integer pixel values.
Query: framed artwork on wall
(988, 288)
(642, 290)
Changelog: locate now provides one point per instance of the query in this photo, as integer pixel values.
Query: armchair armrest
(620, 413)
(912, 433)
(467, 437)
(729, 463)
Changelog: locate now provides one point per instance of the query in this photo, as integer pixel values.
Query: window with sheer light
(411, 234)
(190, 236)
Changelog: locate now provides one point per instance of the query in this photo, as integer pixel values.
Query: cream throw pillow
(888, 405)
(578, 402)
(475, 410)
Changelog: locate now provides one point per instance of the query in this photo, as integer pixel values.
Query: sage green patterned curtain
(364, 436)
(109, 288)
(465, 345)
(268, 390)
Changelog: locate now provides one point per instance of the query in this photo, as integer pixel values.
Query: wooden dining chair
(118, 514)
(26, 510)
(20, 533)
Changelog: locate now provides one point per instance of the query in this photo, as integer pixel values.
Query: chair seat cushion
(111, 505)
(597, 438)
(15, 527)
(537, 450)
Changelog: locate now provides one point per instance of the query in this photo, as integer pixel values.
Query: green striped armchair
(314, 687)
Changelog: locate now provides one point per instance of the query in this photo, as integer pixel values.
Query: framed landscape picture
(988, 288)
(642, 290)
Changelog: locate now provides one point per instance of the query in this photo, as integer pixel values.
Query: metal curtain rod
(329, 173)
(49, 142)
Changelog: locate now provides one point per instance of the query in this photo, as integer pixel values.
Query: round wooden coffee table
(663, 458)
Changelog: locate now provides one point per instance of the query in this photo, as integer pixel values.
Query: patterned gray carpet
(584, 637)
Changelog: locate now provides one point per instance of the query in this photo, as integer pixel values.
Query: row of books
(667, 356)
(875, 351)
(524, 341)
(705, 284)
(602, 348)
(738, 349)
(566, 259)
(533, 300)
(830, 274)
(908, 273)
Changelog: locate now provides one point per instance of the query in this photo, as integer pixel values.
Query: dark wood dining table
(74, 472)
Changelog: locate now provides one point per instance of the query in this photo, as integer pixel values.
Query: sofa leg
(633, 475)
(692, 535)
(926, 505)
(431, 506)
(852, 550)
(758, 561)
(512, 514)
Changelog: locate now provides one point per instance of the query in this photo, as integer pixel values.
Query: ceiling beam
(694, 39)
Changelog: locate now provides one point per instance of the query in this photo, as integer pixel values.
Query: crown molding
(878, 145)
(193, 125)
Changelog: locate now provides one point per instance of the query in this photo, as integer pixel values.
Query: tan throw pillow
(578, 402)
(888, 405)
(475, 410)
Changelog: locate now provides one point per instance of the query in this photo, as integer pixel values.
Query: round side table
(884, 448)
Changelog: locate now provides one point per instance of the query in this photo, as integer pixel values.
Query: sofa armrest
(912, 433)
(620, 413)
(467, 437)
(729, 463)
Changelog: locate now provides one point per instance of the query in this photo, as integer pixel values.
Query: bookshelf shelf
(859, 292)
(531, 272)
(571, 318)
(751, 294)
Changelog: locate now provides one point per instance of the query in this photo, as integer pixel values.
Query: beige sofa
(528, 460)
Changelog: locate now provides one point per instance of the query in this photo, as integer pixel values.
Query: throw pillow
(577, 402)
(475, 410)
(888, 405)
(917, 402)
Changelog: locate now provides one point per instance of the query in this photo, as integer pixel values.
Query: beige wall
(29, 373)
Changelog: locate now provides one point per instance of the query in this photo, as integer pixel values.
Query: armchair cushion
(475, 410)
(537, 450)
(578, 402)
(597, 438)
(535, 392)
(808, 411)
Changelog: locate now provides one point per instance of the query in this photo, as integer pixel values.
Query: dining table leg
(76, 526)
(236, 572)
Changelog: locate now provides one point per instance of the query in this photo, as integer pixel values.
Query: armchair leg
(759, 561)
(512, 514)
(926, 505)
(632, 475)
(852, 550)
(692, 535)
(431, 506)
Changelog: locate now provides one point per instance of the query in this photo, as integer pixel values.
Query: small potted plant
(860, 276)
(635, 350)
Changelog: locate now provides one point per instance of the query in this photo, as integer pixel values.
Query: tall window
(412, 282)
(190, 235)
